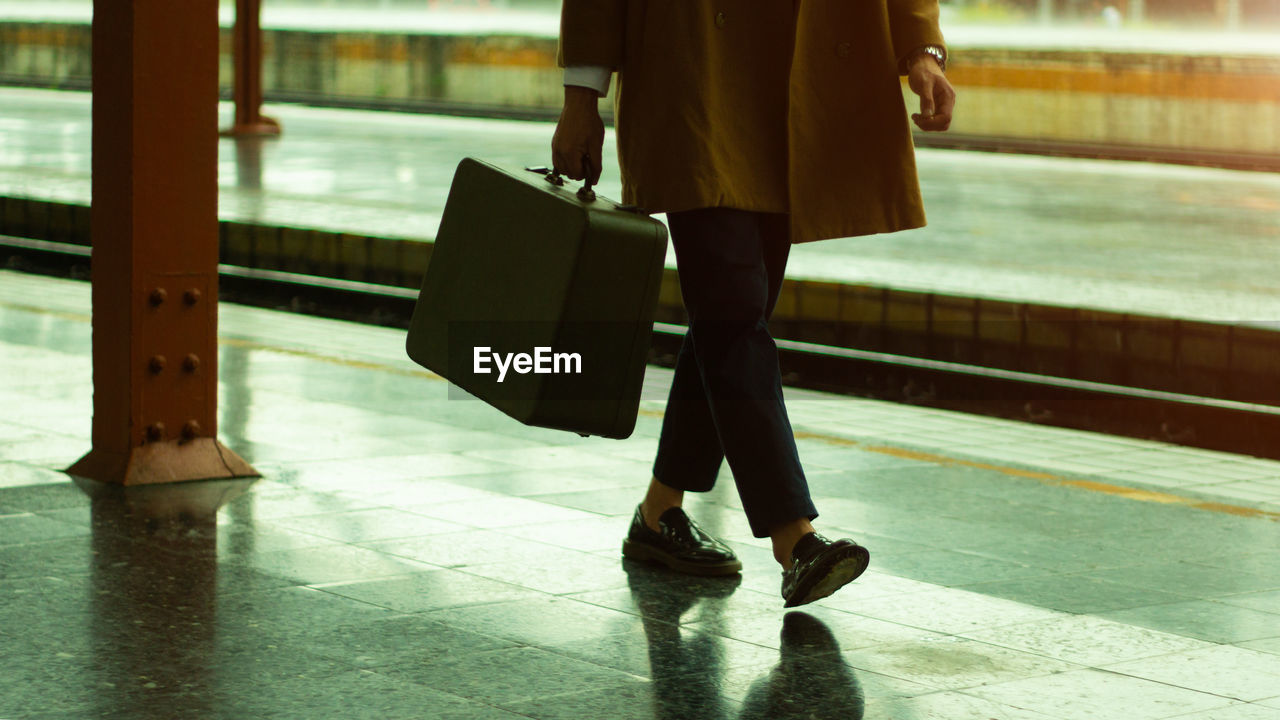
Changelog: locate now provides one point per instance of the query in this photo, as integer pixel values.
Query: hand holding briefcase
(540, 300)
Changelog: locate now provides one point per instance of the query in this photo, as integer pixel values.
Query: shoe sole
(645, 553)
(844, 571)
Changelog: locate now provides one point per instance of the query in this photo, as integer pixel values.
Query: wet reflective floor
(408, 554)
(1168, 241)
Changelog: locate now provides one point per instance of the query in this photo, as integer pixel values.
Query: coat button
(719, 19)
(843, 49)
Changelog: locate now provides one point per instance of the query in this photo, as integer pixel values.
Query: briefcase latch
(552, 176)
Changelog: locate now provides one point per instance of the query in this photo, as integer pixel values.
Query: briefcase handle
(585, 193)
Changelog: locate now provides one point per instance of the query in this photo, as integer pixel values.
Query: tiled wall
(1239, 362)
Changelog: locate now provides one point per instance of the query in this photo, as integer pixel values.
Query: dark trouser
(726, 398)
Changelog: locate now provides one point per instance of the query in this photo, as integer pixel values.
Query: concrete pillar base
(264, 126)
(168, 461)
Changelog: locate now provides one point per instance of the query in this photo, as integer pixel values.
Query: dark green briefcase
(539, 300)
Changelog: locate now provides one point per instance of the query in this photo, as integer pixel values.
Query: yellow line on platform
(1048, 478)
(899, 452)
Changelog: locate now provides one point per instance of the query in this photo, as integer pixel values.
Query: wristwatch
(937, 51)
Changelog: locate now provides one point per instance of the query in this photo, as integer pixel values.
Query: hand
(579, 133)
(937, 97)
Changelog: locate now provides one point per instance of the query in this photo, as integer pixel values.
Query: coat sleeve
(912, 24)
(592, 32)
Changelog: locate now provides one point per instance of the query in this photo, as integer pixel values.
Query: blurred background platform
(540, 18)
(1151, 239)
(1201, 90)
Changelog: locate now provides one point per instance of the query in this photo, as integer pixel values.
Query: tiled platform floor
(407, 555)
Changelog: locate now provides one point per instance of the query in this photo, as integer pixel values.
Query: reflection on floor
(412, 555)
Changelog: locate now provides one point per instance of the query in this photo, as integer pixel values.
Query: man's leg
(775, 230)
(813, 567)
(721, 255)
(731, 264)
(689, 453)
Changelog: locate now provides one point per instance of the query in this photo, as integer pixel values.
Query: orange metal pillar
(247, 85)
(155, 245)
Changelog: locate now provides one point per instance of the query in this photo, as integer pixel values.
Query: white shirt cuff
(596, 77)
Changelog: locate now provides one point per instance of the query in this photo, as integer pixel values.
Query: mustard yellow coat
(762, 105)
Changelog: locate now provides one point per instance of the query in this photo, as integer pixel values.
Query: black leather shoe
(820, 567)
(681, 546)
